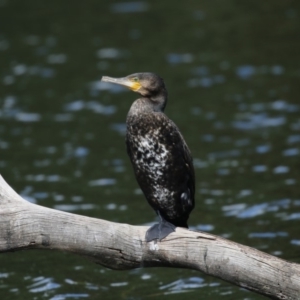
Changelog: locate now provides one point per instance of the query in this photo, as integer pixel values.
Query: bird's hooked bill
(125, 81)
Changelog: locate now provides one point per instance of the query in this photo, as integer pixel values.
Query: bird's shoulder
(144, 123)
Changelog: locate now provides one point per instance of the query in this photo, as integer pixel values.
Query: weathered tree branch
(120, 246)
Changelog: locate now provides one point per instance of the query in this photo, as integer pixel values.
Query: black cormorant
(160, 157)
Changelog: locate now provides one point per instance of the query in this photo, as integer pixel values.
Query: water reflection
(206, 78)
(259, 168)
(129, 7)
(183, 285)
(59, 58)
(281, 169)
(242, 210)
(75, 207)
(119, 127)
(42, 284)
(110, 53)
(102, 182)
(290, 152)
(295, 242)
(175, 58)
(245, 72)
(44, 177)
(255, 121)
(93, 106)
(69, 296)
(118, 284)
(267, 235)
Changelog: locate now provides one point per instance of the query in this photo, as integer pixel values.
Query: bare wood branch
(120, 246)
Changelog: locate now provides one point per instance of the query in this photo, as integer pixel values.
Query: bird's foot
(159, 231)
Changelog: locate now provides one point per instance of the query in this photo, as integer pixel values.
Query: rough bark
(24, 225)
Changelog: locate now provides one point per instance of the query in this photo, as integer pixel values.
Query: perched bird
(160, 157)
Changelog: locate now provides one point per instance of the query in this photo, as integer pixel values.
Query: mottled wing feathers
(189, 161)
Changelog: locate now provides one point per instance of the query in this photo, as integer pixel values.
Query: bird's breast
(149, 153)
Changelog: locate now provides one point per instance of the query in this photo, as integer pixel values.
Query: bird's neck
(147, 105)
(159, 100)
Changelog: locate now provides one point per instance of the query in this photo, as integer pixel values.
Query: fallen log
(24, 225)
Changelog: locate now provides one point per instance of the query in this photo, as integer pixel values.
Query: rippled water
(232, 71)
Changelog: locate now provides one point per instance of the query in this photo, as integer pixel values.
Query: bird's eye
(135, 79)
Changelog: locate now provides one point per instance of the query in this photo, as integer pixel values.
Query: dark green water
(232, 69)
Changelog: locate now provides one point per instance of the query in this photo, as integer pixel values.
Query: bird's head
(148, 85)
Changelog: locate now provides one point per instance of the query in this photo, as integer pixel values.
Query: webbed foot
(159, 231)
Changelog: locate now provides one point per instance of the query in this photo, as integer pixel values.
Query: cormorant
(160, 157)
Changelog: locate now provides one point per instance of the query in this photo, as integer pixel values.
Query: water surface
(232, 70)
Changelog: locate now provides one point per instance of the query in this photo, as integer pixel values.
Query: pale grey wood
(24, 225)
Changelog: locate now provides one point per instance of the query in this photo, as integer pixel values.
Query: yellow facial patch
(135, 86)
